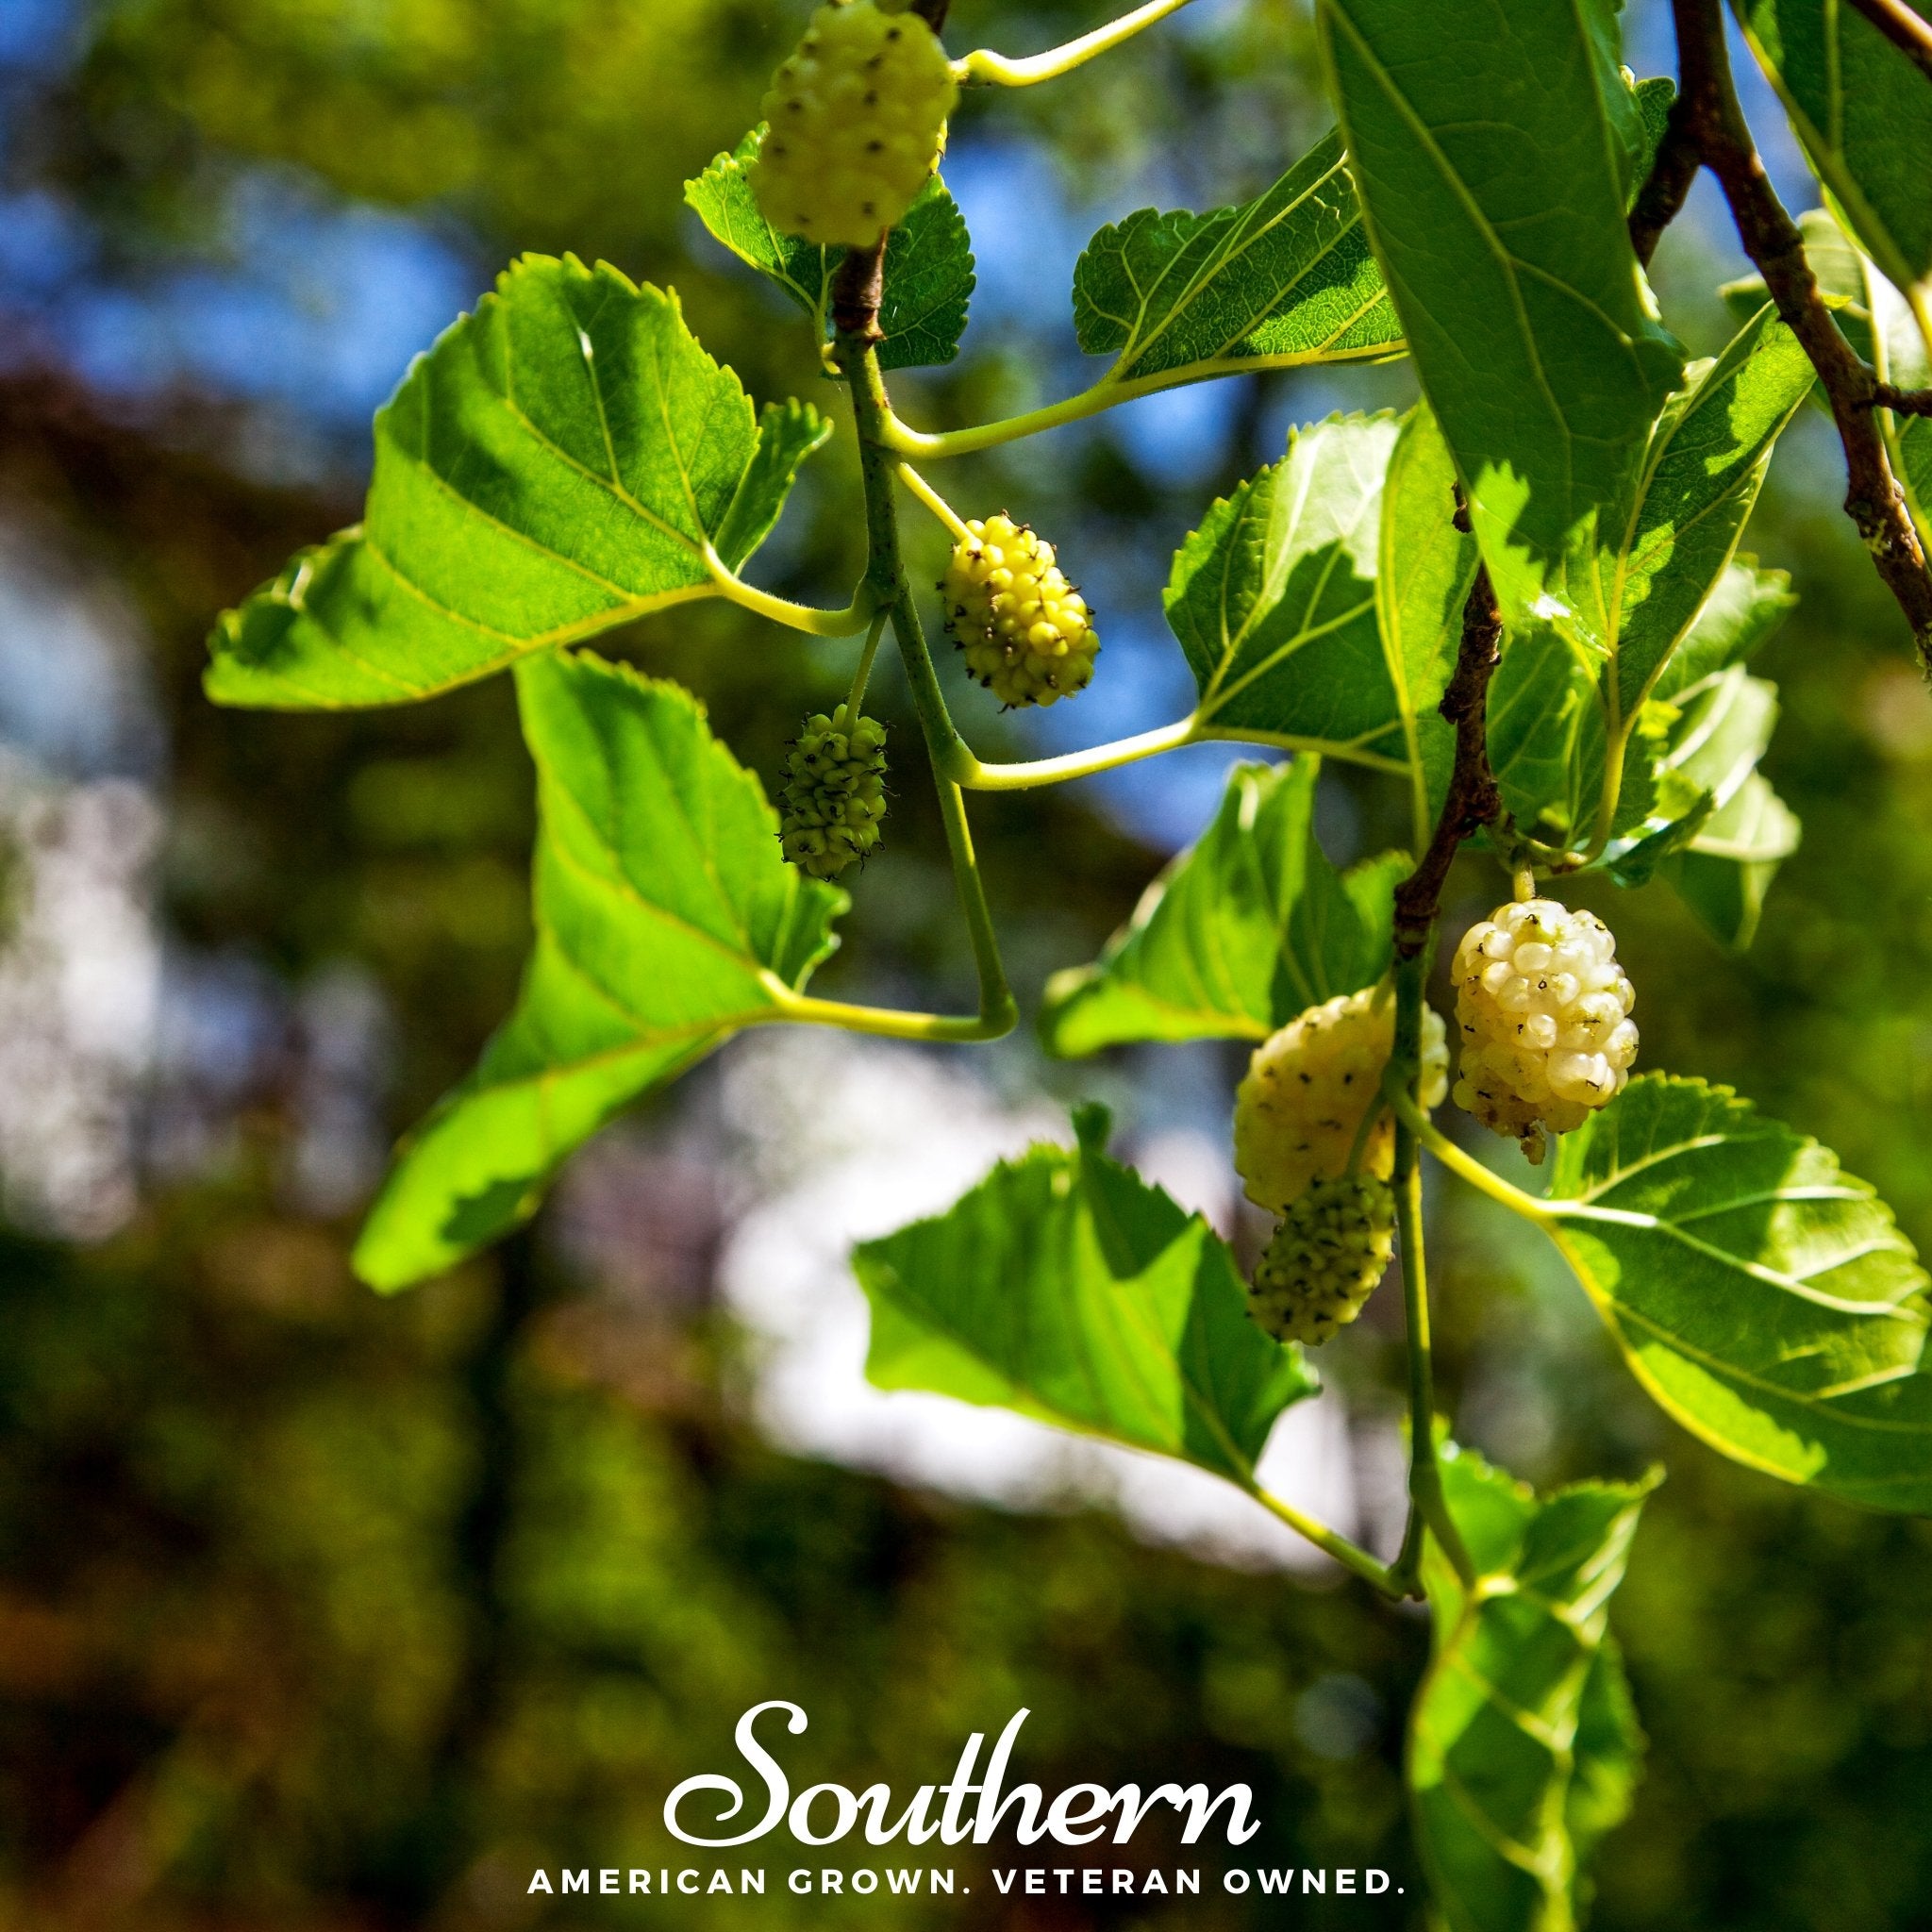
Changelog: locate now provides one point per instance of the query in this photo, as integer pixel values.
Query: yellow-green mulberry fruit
(1544, 1011)
(1328, 1256)
(835, 793)
(855, 120)
(1307, 1087)
(1026, 632)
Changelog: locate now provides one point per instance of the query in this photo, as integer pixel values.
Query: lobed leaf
(1863, 115)
(1244, 930)
(1288, 275)
(1524, 1746)
(1765, 1299)
(559, 462)
(929, 268)
(1065, 1288)
(666, 917)
(1494, 145)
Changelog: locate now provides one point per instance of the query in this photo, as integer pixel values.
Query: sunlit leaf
(1273, 600)
(1863, 115)
(929, 271)
(1524, 1748)
(1065, 1288)
(1765, 1298)
(665, 917)
(560, 462)
(1493, 147)
(1288, 275)
(1245, 929)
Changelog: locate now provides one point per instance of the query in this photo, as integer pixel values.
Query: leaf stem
(969, 772)
(861, 676)
(885, 579)
(847, 622)
(1460, 1162)
(1106, 394)
(985, 68)
(887, 1023)
(1427, 1507)
(934, 502)
(1351, 1556)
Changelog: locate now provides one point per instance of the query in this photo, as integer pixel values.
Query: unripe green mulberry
(1307, 1087)
(1328, 1256)
(835, 793)
(1026, 632)
(855, 123)
(1544, 1012)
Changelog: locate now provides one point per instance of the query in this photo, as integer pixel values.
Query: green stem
(860, 677)
(1105, 394)
(885, 1022)
(937, 504)
(1460, 1162)
(1427, 1507)
(988, 69)
(969, 772)
(847, 622)
(1352, 1556)
(886, 578)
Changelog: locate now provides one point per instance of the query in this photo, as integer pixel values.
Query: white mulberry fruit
(835, 793)
(856, 120)
(1026, 632)
(1327, 1258)
(1309, 1085)
(1545, 1010)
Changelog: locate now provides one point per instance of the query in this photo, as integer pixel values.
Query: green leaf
(1654, 98)
(1424, 569)
(1728, 868)
(1524, 1747)
(1576, 677)
(560, 462)
(1863, 115)
(1273, 600)
(1245, 929)
(665, 917)
(1494, 148)
(1065, 1288)
(1915, 462)
(1763, 1297)
(1288, 275)
(1745, 606)
(929, 268)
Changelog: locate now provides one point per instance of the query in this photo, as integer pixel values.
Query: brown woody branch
(932, 12)
(1908, 402)
(857, 288)
(1908, 31)
(1473, 800)
(1671, 174)
(1707, 99)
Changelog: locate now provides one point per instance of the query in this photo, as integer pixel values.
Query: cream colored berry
(1308, 1087)
(1544, 1012)
(1328, 1256)
(1027, 634)
(854, 123)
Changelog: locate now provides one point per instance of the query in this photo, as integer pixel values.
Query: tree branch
(932, 12)
(1670, 176)
(1908, 402)
(1907, 30)
(857, 288)
(1873, 501)
(1473, 800)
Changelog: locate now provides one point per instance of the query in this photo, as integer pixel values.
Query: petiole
(988, 69)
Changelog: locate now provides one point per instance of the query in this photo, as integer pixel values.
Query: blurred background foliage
(321, 1612)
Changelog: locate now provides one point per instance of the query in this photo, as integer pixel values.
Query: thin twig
(1908, 402)
(1874, 500)
(1472, 801)
(1670, 176)
(1909, 32)
(933, 13)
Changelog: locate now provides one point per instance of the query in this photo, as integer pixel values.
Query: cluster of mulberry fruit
(1298, 1117)
(1327, 1258)
(1308, 1088)
(1025, 631)
(834, 795)
(1544, 1012)
(855, 120)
